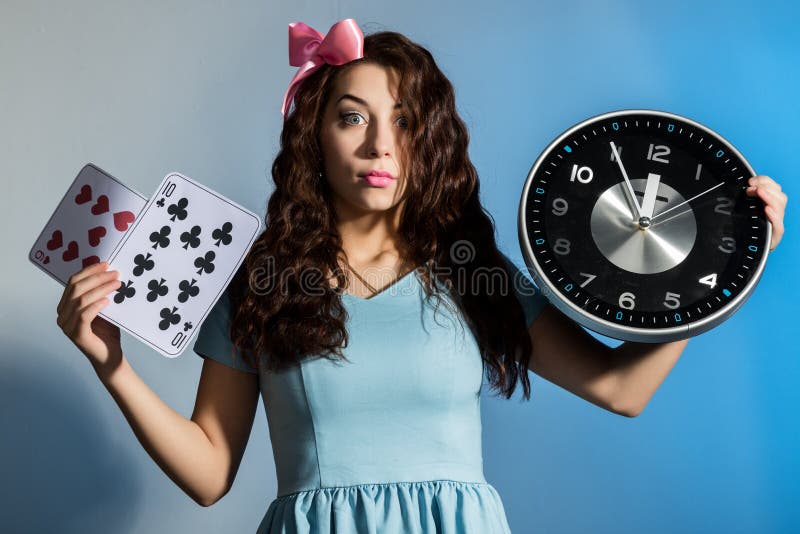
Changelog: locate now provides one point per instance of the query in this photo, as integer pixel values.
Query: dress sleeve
(532, 300)
(213, 339)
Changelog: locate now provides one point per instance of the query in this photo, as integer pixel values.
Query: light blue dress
(389, 442)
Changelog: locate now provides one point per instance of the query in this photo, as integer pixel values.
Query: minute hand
(686, 201)
(627, 181)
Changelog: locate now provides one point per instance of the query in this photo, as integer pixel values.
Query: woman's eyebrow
(362, 101)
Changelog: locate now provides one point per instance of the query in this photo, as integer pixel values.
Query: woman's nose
(381, 142)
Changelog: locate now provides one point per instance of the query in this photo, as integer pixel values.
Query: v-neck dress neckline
(398, 285)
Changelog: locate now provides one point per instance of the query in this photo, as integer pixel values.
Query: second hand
(686, 201)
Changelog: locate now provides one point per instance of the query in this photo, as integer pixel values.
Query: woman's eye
(347, 116)
(403, 122)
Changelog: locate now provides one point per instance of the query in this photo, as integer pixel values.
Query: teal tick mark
(568, 148)
(726, 292)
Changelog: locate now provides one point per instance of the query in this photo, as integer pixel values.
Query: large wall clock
(636, 225)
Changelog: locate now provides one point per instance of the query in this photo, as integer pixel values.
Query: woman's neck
(371, 237)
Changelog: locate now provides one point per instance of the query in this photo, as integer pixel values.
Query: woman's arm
(641, 368)
(620, 380)
(202, 454)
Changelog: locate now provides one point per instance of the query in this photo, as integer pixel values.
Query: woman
(371, 388)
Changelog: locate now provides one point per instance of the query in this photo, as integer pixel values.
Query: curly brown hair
(441, 208)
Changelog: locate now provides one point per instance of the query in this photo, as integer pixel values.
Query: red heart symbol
(90, 260)
(101, 206)
(122, 219)
(55, 240)
(46, 260)
(95, 234)
(84, 196)
(72, 251)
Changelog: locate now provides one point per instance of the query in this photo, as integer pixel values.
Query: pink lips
(378, 178)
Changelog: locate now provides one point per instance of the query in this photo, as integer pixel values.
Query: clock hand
(650, 193)
(662, 221)
(632, 196)
(686, 201)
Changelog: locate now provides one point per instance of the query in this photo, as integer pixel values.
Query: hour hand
(650, 193)
(637, 211)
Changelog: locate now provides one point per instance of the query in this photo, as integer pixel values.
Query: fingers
(769, 191)
(83, 314)
(82, 294)
(765, 182)
(76, 306)
(91, 296)
(81, 321)
(80, 275)
(775, 201)
(87, 271)
(777, 228)
(762, 180)
(76, 290)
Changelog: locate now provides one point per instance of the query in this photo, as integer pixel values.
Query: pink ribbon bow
(309, 50)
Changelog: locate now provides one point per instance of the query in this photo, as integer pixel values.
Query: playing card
(87, 225)
(176, 261)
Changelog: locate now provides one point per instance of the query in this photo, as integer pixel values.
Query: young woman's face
(364, 129)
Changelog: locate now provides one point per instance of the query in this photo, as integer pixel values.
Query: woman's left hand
(774, 199)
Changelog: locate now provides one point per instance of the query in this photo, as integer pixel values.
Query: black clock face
(638, 224)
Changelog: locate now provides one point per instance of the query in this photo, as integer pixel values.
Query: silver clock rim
(617, 331)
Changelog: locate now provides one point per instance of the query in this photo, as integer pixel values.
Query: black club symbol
(160, 239)
(205, 263)
(168, 318)
(187, 326)
(157, 289)
(188, 289)
(223, 234)
(191, 238)
(178, 209)
(160, 202)
(143, 263)
(125, 291)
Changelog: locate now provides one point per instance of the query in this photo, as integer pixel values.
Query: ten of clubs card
(176, 261)
(87, 225)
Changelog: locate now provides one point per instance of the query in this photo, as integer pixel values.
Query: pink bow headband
(309, 50)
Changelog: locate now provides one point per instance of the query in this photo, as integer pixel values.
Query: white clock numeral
(660, 150)
(561, 247)
(583, 174)
(626, 300)
(613, 157)
(723, 205)
(560, 206)
(699, 168)
(710, 280)
(728, 245)
(672, 300)
(589, 278)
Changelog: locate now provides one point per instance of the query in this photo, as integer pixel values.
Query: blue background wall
(196, 87)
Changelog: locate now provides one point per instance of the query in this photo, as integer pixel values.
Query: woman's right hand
(83, 297)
